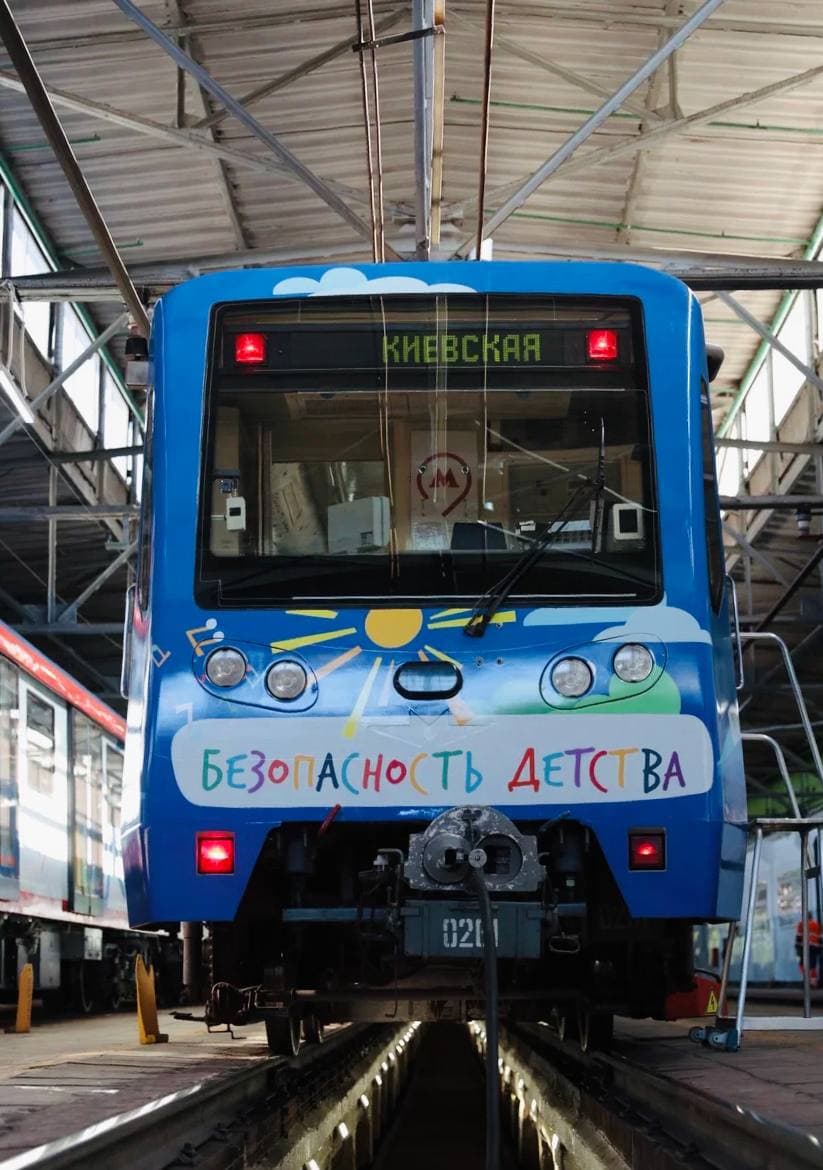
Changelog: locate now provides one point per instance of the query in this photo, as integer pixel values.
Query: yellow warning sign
(711, 1006)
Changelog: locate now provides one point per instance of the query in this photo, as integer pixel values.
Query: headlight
(225, 668)
(571, 677)
(633, 663)
(286, 680)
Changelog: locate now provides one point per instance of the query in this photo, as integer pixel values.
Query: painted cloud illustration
(666, 622)
(345, 281)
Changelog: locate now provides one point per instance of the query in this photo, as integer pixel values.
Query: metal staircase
(727, 1032)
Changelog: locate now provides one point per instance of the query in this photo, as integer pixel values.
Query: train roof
(49, 675)
(568, 277)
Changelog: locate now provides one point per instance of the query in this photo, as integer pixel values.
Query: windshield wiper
(488, 605)
(599, 485)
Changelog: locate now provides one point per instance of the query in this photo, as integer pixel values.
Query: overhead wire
(378, 138)
(367, 33)
(484, 122)
(364, 91)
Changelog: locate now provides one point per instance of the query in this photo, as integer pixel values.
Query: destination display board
(396, 337)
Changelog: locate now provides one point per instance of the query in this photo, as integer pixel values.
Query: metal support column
(51, 573)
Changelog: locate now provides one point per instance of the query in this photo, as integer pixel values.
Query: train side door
(115, 890)
(43, 787)
(9, 839)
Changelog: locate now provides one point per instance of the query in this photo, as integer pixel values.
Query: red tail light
(215, 852)
(250, 349)
(601, 345)
(647, 849)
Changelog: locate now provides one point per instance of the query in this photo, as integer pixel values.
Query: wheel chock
(148, 1028)
(25, 994)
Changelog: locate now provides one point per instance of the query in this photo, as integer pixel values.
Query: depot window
(416, 446)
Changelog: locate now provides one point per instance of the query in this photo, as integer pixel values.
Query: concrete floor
(53, 1041)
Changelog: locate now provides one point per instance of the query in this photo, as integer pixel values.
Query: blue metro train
(431, 608)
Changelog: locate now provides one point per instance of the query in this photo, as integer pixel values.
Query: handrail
(738, 650)
(795, 686)
(760, 737)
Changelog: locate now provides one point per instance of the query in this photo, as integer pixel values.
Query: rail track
(400, 1095)
(270, 1107)
(555, 1096)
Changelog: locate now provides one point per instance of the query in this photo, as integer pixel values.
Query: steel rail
(156, 1133)
(648, 1112)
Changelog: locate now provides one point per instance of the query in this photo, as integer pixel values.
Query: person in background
(814, 947)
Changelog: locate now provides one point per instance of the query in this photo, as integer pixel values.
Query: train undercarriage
(378, 923)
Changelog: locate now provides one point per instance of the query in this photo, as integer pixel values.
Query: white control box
(235, 514)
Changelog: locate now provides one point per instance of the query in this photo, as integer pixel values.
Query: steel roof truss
(69, 612)
(651, 138)
(225, 187)
(584, 132)
(44, 111)
(321, 189)
(34, 404)
(545, 63)
(301, 70)
(191, 139)
(774, 341)
(755, 554)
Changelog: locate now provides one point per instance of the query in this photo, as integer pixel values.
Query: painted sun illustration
(390, 629)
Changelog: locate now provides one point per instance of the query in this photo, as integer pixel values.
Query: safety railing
(727, 1031)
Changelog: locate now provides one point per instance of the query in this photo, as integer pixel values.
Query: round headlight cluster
(286, 680)
(225, 668)
(633, 663)
(571, 677)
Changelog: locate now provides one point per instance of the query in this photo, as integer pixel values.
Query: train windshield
(414, 446)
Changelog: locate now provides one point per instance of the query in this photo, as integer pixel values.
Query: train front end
(432, 595)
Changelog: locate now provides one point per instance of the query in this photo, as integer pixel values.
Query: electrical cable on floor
(490, 978)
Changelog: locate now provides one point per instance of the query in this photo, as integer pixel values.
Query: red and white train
(62, 899)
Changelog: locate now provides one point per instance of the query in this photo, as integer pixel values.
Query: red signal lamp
(602, 345)
(647, 849)
(215, 852)
(250, 349)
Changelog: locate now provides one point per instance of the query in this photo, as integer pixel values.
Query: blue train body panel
(663, 754)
